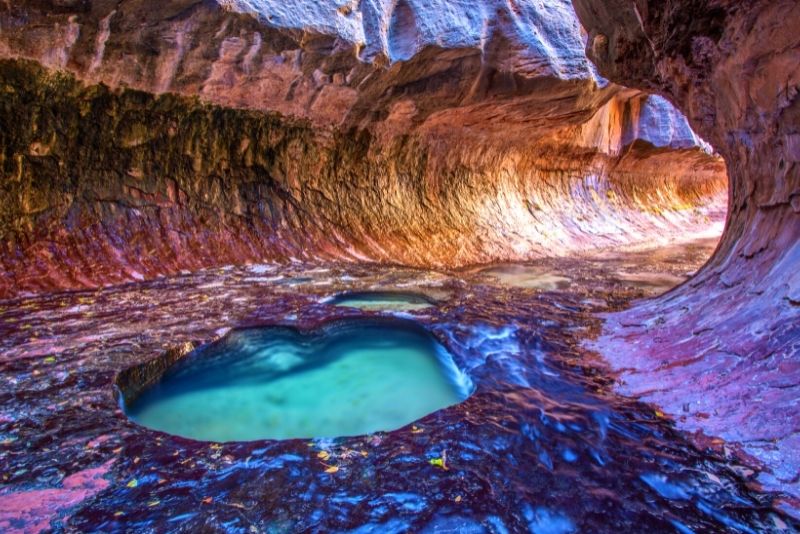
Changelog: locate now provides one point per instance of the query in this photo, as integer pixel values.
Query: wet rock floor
(543, 445)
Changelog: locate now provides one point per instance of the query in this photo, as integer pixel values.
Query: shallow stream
(543, 444)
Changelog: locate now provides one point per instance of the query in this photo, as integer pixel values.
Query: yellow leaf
(659, 413)
(458, 498)
(438, 462)
(154, 502)
(323, 455)
(133, 483)
(416, 430)
(117, 514)
(332, 469)
(364, 454)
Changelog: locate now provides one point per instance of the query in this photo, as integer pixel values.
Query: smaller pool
(383, 301)
(350, 378)
(526, 276)
(651, 283)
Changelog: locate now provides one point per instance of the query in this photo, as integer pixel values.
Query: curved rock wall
(103, 186)
(721, 353)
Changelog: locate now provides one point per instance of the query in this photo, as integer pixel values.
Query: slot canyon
(399, 266)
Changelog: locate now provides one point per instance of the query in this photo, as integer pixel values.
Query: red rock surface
(31, 511)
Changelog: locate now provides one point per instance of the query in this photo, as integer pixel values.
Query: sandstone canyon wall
(721, 353)
(147, 139)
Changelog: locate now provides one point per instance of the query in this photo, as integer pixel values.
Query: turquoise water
(352, 378)
(383, 301)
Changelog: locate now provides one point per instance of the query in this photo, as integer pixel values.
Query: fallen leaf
(416, 430)
(207, 500)
(458, 498)
(117, 514)
(323, 455)
(50, 359)
(332, 469)
(438, 462)
(154, 502)
(133, 483)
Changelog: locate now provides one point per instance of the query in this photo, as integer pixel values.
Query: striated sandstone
(105, 186)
